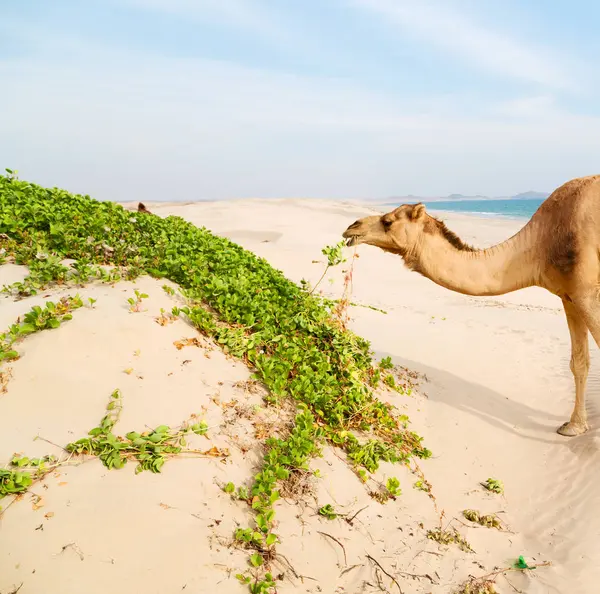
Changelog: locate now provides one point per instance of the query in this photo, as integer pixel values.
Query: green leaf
(256, 560)
(271, 539)
(9, 356)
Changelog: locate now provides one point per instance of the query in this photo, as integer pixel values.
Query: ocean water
(520, 209)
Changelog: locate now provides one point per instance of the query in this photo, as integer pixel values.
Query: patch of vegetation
(23, 473)
(449, 536)
(328, 512)
(48, 317)
(494, 486)
(487, 520)
(136, 304)
(335, 256)
(150, 448)
(242, 492)
(290, 337)
(390, 490)
(421, 485)
(46, 270)
(13, 482)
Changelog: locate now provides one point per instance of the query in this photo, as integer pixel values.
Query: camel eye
(386, 223)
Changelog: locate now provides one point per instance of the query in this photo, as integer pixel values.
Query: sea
(516, 208)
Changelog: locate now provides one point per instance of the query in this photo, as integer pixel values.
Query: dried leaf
(216, 452)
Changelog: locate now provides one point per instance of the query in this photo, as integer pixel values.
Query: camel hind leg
(580, 364)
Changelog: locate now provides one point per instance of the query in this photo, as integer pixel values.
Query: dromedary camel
(558, 249)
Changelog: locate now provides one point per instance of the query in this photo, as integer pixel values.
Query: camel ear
(417, 212)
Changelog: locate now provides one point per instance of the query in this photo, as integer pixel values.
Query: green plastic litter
(522, 564)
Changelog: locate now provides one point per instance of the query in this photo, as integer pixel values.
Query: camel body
(558, 249)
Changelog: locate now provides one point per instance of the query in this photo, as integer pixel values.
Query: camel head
(397, 231)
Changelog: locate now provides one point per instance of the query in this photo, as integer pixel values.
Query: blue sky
(214, 99)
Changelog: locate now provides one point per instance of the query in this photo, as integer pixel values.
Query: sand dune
(497, 386)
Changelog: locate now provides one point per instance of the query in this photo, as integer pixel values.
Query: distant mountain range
(461, 197)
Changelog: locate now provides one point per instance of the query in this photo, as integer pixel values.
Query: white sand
(498, 387)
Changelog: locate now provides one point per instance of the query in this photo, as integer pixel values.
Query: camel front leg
(580, 365)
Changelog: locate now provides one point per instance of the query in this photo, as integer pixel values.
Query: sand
(496, 384)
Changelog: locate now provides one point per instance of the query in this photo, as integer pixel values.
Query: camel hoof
(571, 429)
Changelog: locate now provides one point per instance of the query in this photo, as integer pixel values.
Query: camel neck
(503, 268)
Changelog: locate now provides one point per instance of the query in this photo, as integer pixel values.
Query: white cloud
(120, 124)
(487, 49)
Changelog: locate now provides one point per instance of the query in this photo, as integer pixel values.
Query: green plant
(334, 254)
(257, 585)
(288, 336)
(328, 512)
(242, 492)
(393, 487)
(24, 472)
(136, 304)
(48, 317)
(386, 363)
(493, 485)
(390, 490)
(422, 486)
(150, 449)
(13, 482)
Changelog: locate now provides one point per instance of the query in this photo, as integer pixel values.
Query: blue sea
(520, 209)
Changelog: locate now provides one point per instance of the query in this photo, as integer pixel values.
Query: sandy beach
(494, 384)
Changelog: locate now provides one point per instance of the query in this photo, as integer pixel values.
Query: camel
(142, 208)
(558, 249)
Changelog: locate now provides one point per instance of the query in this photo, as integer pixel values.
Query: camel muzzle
(351, 235)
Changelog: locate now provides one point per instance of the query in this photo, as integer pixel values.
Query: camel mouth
(351, 236)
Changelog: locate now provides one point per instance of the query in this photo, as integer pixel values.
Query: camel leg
(580, 364)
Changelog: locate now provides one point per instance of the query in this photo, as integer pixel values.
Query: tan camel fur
(558, 249)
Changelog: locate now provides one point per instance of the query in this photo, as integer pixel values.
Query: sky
(349, 99)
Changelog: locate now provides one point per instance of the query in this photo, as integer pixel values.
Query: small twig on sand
(51, 443)
(421, 552)
(336, 540)
(290, 566)
(16, 588)
(373, 560)
(75, 548)
(348, 569)
(349, 520)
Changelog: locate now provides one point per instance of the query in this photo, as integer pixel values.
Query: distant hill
(530, 196)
